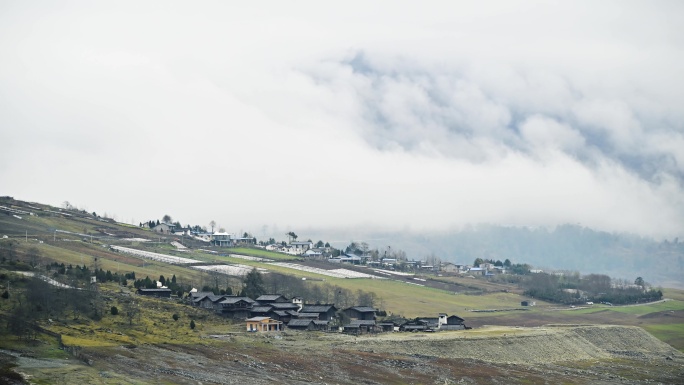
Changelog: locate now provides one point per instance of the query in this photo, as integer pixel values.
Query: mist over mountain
(565, 247)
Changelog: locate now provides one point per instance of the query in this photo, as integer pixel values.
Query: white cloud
(387, 114)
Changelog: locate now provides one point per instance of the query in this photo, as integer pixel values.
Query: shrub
(5, 295)
(114, 310)
(175, 317)
(192, 324)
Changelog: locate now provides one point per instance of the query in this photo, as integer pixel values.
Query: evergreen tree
(253, 284)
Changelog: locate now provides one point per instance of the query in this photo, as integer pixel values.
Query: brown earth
(491, 355)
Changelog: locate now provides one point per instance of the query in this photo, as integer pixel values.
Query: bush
(114, 310)
(175, 317)
(192, 324)
(5, 295)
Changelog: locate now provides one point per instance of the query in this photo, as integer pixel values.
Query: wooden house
(325, 312)
(360, 313)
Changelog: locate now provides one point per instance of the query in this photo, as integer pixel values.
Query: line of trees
(34, 299)
(172, 283)
(576, 289)
(313, 292)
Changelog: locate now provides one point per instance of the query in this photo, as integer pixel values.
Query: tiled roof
(363, 309)
(237, 299)
(299, 322)
(261, 309)
(317, 308)
(270, 297)
(307, 315)
(282, 313)
(198, 294)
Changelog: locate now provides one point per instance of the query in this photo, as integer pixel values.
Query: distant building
(164, 228)
(162, 293)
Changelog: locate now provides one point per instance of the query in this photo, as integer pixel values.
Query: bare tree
(131, 311)
(167, 218)
(212, 224)
(34, 257)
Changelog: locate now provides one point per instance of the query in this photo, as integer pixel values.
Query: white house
(300, 247)
(222, 239)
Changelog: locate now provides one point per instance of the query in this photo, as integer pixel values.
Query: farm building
(162, 293)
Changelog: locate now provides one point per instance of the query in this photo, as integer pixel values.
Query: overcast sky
(402, 115)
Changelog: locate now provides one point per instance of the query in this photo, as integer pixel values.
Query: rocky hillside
(551, 354)
(542, 345)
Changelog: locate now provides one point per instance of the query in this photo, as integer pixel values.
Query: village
(275, 313)
(355, 254)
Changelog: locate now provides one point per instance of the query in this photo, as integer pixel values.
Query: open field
(264, 254)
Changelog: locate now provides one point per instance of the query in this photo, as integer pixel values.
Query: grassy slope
(396, 297)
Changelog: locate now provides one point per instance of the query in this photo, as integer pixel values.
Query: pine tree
(254, 284)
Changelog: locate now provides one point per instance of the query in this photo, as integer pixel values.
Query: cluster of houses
(275, 312)
(308, 249)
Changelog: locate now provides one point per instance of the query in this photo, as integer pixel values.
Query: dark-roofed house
(163, 293)
(443, 322)
(283, 315)
(284, 306)
(236, 307)
(452, 322)
(270, 298)
(360, 313)
(385, 327)
(312, 316)
(321, 325)
(325, 312)
(260, 311)
(432, 323)
(209, 301)
(360, 327)
(413, 326)
(197, 294)
(301, 324)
